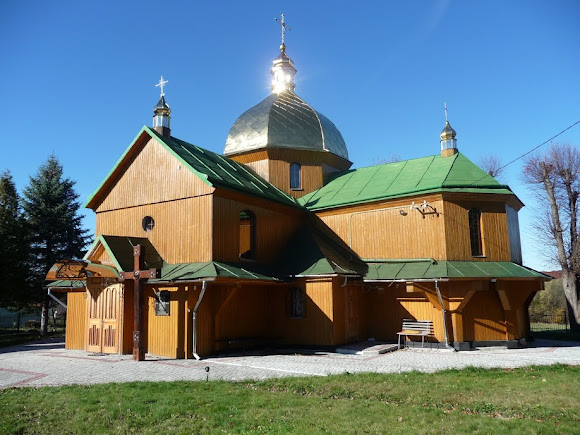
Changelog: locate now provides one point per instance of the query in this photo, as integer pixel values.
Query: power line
(525, 154)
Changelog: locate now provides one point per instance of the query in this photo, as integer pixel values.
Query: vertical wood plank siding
(76, 320)
(373, 233)
(182, 232)
(494, 231)
(272, 232)
(166, 335)
(274, 165)
(152, 176)
(316, 328)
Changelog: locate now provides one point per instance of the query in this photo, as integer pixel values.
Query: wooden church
(278, 242)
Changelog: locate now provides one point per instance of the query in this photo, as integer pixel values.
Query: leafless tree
(556, 175)
(393, 158)
(491, 164)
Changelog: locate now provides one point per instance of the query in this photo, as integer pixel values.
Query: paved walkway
(48, 363)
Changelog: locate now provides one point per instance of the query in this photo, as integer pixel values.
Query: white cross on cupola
(161, 84)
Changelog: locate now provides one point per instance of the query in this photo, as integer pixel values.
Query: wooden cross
(283, 26)
(138, 276)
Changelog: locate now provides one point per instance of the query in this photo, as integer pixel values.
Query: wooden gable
(147, 174)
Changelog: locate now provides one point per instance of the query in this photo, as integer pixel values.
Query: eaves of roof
(433, 174)
(394, 270)
(213, 169)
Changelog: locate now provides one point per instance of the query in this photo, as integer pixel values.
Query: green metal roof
(389, 270)
(314, 249)
(68, 284)
(411, 177)
(120, 249)
(212, 168)
(211, 269)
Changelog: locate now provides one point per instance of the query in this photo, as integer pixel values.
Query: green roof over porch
(389, 270)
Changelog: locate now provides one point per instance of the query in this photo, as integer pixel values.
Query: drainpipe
(444, 316)
(194, 317)
(55, 298)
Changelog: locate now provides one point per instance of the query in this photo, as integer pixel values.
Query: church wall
(167, 335)
(316, 328)
(274, 226)
(484, 318)
(273, 164)
(182, 232)
(76, 320)
(240, 312)
(152, 176)
(376, 233)
(311, 177)
(494, 231)
(261, 168)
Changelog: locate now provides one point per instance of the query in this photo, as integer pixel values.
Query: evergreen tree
(14, 247)
(52, 214)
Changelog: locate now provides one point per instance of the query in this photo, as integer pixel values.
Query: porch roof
(212, 269)
(68, 284)
(389, 270)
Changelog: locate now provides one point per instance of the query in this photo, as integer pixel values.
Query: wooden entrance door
(103, 322)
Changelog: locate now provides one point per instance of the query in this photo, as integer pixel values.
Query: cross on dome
(445, 108)
(161, 84)
(283, 28)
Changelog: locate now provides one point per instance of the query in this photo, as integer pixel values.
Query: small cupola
(283, 70)
(162, 112)
(448, 141)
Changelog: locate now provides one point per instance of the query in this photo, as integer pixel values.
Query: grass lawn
(530, 400)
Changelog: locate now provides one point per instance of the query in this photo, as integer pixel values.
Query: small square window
(162, 303)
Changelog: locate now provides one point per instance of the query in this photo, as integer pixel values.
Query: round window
(148, 223)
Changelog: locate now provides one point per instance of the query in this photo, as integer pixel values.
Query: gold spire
(283, 70)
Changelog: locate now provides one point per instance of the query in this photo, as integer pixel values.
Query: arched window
(295, 176)
(474, 216)
(247, 235)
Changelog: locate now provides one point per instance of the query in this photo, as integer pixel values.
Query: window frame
(148, 224)
(299, 168)
(250, 254)
(474, 220)
(163, 307)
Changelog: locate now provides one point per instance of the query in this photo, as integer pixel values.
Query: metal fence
(549, 322)
(21, 321)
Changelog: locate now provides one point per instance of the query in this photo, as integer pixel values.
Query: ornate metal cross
(445, 107)
(283, 26)
(138, 276)
(161, 84)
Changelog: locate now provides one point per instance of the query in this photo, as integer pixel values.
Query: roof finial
(283, 28)
(448, 141)
(161, 84)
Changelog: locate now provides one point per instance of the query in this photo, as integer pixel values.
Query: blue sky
(78, 78)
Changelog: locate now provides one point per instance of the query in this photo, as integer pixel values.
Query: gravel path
(48, 363)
